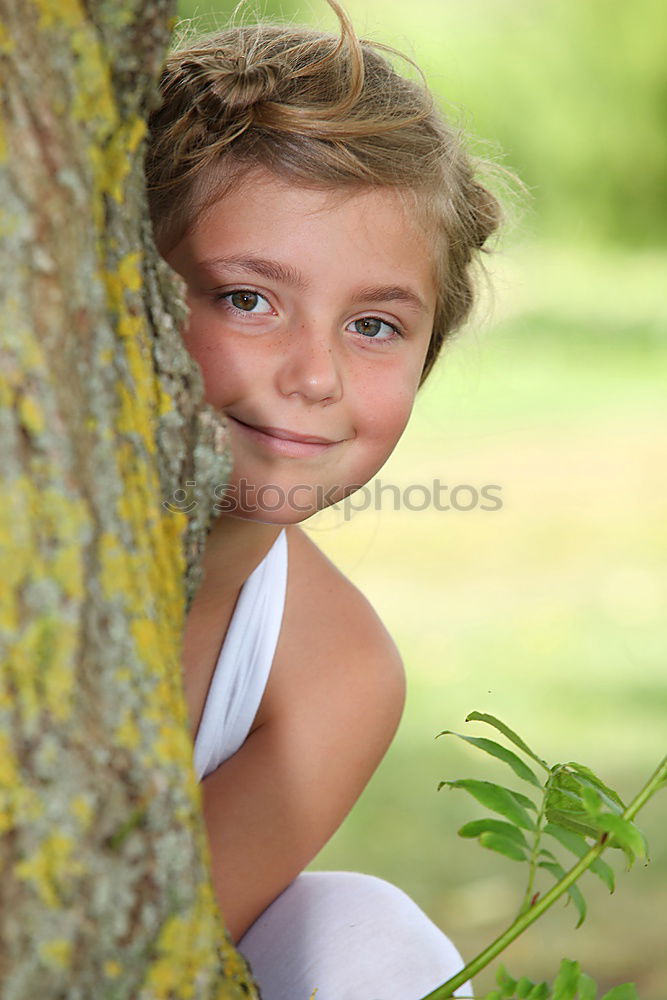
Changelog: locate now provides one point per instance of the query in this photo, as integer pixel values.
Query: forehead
(372, 228)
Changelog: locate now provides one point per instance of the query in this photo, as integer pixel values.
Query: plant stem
(532, 870)
(649, 789)
(524, 920)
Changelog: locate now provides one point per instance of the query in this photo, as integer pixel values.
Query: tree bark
(104, 889)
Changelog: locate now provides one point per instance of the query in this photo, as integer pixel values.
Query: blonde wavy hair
(323, 111)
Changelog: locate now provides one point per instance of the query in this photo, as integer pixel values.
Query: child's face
(310, 315)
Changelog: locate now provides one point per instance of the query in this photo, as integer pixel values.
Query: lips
(286, 435)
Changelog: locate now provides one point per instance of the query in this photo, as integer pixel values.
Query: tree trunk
(104, 887)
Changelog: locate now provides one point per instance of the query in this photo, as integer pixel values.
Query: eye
(246, 301)
(373, 328)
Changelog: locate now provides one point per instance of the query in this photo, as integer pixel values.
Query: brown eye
(247, 301)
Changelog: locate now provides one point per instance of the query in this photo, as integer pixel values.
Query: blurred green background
(549, 612)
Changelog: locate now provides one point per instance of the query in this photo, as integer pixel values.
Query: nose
(310, 367)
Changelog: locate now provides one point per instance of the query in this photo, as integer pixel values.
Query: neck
(234, 548)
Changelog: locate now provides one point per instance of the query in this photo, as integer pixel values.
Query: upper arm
(332, 705)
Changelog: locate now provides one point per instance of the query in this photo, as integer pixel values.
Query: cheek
(219, 361)
(209, 358)
(386, 411)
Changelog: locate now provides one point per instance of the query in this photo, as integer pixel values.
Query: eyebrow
(392, 293)
(274, 270)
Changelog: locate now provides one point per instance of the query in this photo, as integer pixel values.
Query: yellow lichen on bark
(182, 954)
(83, 811)
(126, 277)
(139, 398)
(126, 138)
(128, 734)
(6, 41)
(133, 417)
(129, 269)
(57, 952)
(14, 544)
(51, 868)
(9, 776)
(31, 414)
(40, 655)
(65, 12)
(148, 577)
(112, 969)
(112, 140)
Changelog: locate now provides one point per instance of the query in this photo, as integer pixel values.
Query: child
(324, 218)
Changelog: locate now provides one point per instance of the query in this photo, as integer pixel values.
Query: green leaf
(491, 720)
(567, 981)
(628, 991)
(610, 798)
(540, 992)
(524, 987)
(573, 841)
(578, 846)
(511, 805)
(588, 989)
(564, 806)
(604, 872)
(573, 891)
(478, 826)
(625, 834)
(591, 800)
(501, 753)
(543, 853)
(506, 984)
(494, 842)
(571, 820)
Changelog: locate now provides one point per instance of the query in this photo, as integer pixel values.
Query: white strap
(244, 663)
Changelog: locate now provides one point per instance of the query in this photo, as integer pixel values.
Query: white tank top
(244, 663)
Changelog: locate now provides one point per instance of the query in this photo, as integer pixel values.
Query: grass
(548, 612)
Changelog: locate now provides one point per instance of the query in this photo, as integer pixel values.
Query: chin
(285, 516)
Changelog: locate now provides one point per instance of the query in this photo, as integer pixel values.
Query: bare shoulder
(333, 645)
(329, 608)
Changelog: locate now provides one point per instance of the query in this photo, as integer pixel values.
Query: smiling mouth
(282, 434)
